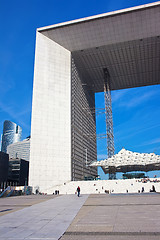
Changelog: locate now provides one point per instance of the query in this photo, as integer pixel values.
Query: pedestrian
(78, 191)
(153, 189)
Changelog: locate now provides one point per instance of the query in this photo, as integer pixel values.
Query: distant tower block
(109, 120)
(11, 134)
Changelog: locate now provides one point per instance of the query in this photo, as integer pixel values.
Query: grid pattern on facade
(127, 42)
(20, 150)
(110, 28)
(83, 125)
(133, 63)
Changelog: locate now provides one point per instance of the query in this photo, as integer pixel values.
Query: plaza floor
(67, 217)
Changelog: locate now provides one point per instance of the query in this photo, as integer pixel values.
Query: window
(17, 129)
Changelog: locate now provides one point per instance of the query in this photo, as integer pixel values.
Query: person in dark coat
(78, 191)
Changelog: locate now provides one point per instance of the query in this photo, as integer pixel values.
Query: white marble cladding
(111, 186)
(50, 159)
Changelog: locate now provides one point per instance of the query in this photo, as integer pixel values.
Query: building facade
(18, 171)
(4, 158)
(63, 117)
(11, 134)
(70, 59)
(20, 149)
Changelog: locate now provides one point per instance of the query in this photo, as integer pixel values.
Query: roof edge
(94, 17)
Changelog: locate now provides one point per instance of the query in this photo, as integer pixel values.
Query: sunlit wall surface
(20, 149)
(11, 134)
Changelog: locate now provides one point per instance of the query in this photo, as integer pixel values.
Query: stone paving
(67, 217)
(11, 204)
(116, 217)
(45, 220)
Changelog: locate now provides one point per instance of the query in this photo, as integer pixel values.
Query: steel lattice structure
(109, 119)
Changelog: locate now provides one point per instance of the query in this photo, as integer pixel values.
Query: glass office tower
(11, 134)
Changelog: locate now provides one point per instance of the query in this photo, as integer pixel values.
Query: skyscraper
(11, 134)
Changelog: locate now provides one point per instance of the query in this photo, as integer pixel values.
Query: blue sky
(136, 120)
(136, 112)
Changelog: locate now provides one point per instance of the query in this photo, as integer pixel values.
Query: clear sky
(136, 112)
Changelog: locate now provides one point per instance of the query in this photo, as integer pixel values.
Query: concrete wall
(50, 157)
(113, 186)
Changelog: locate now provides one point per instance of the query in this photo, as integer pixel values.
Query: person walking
(78, 191)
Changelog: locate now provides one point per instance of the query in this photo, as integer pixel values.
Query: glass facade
(18, 171)
(11, 134)
(4, 159)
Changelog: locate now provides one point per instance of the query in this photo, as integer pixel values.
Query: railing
(5, 191)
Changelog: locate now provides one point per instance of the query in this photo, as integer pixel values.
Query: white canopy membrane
(128, 161)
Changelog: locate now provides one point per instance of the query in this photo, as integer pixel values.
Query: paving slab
(11, 204)
(67, 217)
(45, 220)
(117, 217)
